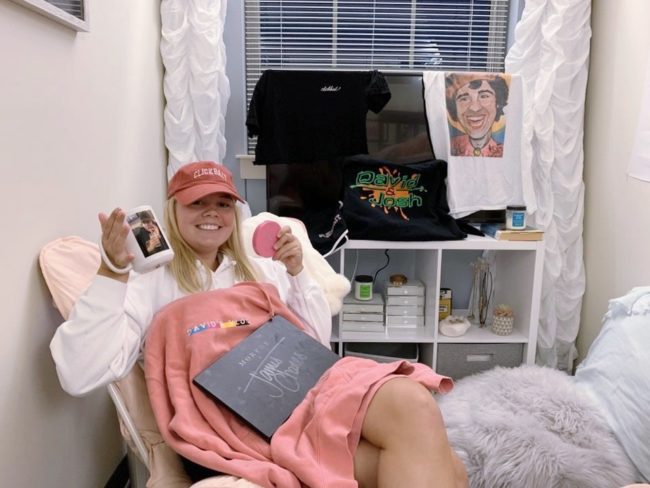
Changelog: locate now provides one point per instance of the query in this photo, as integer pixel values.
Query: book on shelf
(500, 233)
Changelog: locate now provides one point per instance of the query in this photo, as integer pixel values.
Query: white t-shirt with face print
(485, 170)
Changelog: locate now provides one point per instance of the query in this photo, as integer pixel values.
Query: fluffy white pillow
(615, 373)
(335, 285)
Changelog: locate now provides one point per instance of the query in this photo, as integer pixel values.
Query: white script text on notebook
(265, 376)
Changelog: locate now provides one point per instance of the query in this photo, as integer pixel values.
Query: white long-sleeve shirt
(106, 330)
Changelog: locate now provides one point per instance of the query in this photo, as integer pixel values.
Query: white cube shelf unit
(518, 268)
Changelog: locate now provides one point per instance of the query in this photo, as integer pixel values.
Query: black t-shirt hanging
(307, 116)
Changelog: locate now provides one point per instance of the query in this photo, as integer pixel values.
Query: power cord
(374, 280)
(356, 263)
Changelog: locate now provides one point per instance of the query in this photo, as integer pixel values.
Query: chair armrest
(128, 423)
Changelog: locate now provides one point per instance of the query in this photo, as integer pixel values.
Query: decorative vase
(502, 325)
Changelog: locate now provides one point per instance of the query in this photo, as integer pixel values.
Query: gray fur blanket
(532, 427)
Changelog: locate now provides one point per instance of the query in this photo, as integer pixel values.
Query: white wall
(617, 208)
(80, 131)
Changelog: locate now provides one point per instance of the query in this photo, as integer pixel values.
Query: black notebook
(265, 376)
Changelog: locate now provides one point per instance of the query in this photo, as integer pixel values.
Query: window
(389, 35)
(72, 13)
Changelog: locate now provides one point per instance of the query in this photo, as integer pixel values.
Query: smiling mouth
(209, 227)
(475, 122)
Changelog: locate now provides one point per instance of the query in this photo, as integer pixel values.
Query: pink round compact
(264, 237)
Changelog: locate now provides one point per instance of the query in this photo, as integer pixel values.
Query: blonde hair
(184, 268)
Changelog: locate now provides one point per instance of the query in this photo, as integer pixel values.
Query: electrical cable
(356, 262)
(374, 280)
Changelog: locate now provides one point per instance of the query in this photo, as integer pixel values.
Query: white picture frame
(57, 14)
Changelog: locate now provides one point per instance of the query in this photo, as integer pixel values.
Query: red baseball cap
(196, 180)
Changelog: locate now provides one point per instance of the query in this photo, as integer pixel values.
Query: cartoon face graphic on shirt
(475, 103)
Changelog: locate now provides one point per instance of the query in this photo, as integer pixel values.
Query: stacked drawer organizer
(363, 315)
(405, 304)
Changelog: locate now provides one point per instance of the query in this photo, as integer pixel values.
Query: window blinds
(72, 7)
(390, 35)
(401, 35)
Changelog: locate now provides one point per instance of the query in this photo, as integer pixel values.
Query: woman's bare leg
(366, 463)
(404, 442)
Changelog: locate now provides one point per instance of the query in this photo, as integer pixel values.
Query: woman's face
(206, 224)
(476, 108)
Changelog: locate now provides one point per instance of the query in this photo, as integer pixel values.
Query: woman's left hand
(289, 251)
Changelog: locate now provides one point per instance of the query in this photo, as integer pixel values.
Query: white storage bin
(404, 321)
(357, 326)
(363, 317)
(374, 305)
(413, 287)
(405, 300)
(412, 310)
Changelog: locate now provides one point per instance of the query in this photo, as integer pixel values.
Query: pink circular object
(264, 237)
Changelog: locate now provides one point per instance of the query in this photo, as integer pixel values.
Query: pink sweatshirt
(315, 447)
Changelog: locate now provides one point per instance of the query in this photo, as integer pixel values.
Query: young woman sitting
(402, 438)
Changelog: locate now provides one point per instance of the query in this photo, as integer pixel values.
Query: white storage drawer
(364, 317)
(404, 321)
(413, 310)
(405, 300)
(358, 326)
(374, 305)
(459, 360)
(413, 287)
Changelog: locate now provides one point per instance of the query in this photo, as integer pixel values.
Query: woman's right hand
(114, 232)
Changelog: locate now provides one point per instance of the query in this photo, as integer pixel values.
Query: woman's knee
(409, 402)
(413, 395)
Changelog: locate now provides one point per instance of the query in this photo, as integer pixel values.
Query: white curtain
(195, 84)
(551, 53)
(640, 162)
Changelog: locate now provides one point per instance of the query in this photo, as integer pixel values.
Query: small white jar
(516, 217)
(363, 287)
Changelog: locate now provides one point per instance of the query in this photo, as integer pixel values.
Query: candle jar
(516, 217)
(363, 287)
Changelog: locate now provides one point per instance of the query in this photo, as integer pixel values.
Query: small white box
(404, 321)
(354, 326)
(364, 317)
(374, 305)
(404, 310)
(406, 300)
(412, 287)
